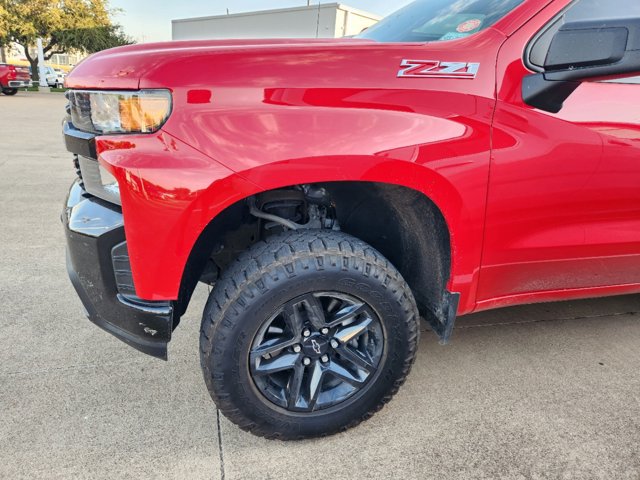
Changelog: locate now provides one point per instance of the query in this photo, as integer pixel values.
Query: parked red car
(455, 157)
(13, 77)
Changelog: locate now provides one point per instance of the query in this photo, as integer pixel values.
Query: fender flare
(428, 182)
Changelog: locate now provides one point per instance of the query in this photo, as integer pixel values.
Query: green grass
(59, 90)
(35, 88)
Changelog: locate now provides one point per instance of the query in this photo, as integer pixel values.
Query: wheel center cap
(315, 346)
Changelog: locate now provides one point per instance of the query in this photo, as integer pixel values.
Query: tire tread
(281, 256)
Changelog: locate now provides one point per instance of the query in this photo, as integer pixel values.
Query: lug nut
(334, 344)
(306, 332)
(297, 348)
(306, 361)
(324, 331)
(324, 359)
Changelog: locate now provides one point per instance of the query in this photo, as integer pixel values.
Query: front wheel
(9, 91)
(307, 334)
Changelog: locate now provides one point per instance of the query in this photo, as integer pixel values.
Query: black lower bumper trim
(79, 142)
(93, 228)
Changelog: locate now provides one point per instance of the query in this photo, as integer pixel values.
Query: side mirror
(581, 51)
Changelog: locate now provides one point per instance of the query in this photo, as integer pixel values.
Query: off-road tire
(273, 272)
(9, 91)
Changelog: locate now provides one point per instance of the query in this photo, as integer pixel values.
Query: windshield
(438, 20)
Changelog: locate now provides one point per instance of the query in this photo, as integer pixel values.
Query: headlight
(144, 111)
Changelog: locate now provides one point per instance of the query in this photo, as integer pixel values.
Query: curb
(42, 90)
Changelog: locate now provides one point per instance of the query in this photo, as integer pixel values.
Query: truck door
(564, 193)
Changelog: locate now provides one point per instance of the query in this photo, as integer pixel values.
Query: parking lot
(544, 391)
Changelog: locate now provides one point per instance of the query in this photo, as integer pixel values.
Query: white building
(331, 20)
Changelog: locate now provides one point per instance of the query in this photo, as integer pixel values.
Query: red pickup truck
(13, 77)
(455, 157)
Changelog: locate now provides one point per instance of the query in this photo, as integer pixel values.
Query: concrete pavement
(544, 391)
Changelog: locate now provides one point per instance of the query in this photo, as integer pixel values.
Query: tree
(4, 26)
(63, 25)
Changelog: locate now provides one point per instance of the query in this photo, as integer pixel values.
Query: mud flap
(443, 319)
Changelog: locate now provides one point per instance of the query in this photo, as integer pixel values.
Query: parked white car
(54, 76)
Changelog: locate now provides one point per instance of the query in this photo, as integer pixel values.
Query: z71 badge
(437, 69)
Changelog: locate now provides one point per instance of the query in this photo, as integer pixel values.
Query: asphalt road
(546, 391)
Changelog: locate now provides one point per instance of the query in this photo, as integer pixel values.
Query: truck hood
(124, 67)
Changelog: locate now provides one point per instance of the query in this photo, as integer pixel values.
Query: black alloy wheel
(316, 351)
(307, 334)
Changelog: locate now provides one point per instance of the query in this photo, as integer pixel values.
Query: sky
(150, 20)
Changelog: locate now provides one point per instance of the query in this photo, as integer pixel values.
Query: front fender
(206, 158)
(435, 142)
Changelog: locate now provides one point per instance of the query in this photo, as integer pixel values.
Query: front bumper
(99, 269)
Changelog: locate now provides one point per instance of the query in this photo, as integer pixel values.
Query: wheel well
(401, 223)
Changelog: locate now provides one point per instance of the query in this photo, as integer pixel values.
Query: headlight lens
(144, 111)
